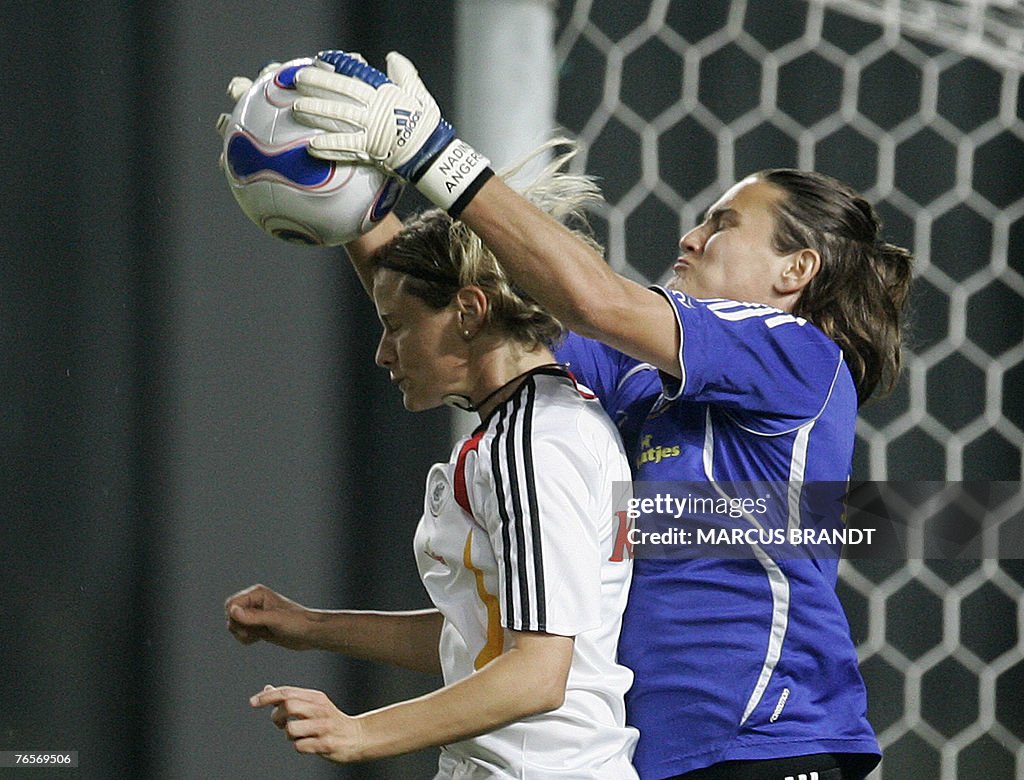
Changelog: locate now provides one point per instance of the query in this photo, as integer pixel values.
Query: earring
(465, 333)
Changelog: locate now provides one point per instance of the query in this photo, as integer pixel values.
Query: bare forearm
(570, 279)
(513, 686)
(406, 639)
(361, 250)
(561, 272)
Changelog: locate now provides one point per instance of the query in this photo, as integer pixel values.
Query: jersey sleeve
(769, 369)
(626, 387)
(595, 365)
(541, 520)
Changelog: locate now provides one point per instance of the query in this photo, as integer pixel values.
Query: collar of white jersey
(558, 370)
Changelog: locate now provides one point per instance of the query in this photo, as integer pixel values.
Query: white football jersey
(519, 532)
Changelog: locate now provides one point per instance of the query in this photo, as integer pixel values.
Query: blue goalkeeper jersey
(735, 658)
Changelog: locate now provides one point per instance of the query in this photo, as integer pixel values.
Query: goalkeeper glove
(237, 87)
(391, 121)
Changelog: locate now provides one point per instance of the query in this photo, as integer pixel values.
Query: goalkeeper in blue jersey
(782, 316)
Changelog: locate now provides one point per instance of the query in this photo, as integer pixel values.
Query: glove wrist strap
(438, 141)
(454, 177)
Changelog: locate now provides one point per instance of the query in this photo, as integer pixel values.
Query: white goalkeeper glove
(237, 87)
(391, 121)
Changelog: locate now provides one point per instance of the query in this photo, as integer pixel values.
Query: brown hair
(860, 292)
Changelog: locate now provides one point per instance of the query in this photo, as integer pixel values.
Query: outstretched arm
(406, 639)
(571, 280)
(565, 275)
(527, 679)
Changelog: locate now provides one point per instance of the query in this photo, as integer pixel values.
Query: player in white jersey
(508, 542)
(782, 315)
(516, 546)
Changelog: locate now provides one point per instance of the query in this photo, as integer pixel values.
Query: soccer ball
(281, 186)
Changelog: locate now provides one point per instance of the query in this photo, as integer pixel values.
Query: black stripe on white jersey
(516, 508)
(535, 529)
(499, 487)
(513, 471)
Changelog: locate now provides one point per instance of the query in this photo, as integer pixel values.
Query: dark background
(187, 406)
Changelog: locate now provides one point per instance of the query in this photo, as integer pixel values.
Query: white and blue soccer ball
(281, 186)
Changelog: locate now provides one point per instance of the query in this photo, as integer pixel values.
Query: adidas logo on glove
(406, 122)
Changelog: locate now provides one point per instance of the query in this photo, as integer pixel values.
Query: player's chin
(676, 282)
(417, 403)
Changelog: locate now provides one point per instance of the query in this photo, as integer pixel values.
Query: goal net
(918, 105)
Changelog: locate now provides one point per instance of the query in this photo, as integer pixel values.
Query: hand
(237, 87)
(259, 613)
(388, 120)
(369, 117)
(312, 722)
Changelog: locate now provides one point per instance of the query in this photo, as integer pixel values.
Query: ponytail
(860, 292)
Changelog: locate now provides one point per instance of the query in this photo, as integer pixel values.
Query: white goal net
(918, 105)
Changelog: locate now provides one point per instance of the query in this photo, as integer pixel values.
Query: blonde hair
(440, 255)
